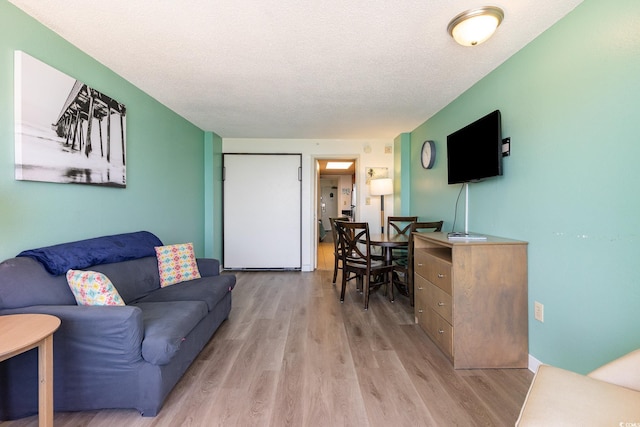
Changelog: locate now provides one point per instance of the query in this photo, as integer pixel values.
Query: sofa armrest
(104, 334)
(208, 267)
(624, 371)
(559, 397)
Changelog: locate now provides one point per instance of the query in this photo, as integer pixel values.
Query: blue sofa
(127, 356)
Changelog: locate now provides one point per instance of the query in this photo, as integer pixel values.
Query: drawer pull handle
(441, 331)
(440, 304)
(420, 288)
(419, 264)
(440, 276)
(420, 311)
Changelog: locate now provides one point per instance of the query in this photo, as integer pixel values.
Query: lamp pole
(382, 213)
(380, 187)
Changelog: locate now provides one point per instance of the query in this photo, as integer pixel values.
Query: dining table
(388, 241)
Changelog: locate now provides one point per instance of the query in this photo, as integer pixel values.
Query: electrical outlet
(367, 201)
(538, 311)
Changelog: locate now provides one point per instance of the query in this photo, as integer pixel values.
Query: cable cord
(455, 213)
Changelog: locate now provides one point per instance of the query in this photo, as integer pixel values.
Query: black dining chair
(403, 267)
(400, 225)
(356, 258)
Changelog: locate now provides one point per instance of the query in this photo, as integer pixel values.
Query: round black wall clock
(428, 154)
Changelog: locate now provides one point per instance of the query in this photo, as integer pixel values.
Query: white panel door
(262, 211)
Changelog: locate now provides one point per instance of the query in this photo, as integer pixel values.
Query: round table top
(20, 332)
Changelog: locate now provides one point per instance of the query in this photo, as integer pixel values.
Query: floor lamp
(381, 187)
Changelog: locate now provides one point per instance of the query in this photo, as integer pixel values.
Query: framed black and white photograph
(66, 131)
(376, 173)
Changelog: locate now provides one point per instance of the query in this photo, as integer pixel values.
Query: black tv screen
(475, 151)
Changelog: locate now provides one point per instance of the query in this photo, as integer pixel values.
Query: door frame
(316, 195)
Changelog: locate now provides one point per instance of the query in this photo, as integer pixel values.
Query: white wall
(344, 200)
(369, 153)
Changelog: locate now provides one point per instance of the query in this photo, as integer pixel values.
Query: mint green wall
(213, 196)
(570, 102)
(165, 187)
(402, 174)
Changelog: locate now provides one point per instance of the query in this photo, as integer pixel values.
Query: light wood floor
(291, 354)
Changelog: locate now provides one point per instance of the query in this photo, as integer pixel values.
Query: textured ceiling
(293, 68)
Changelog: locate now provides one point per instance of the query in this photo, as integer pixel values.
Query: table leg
(45, 379)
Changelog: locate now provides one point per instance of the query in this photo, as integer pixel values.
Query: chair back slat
(400, 224)
(337, 248)
(334, 234)
(355, 241)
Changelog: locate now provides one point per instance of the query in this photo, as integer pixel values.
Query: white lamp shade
(381, 187)
(475, 26)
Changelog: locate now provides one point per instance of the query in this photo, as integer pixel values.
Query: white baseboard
(534, 364)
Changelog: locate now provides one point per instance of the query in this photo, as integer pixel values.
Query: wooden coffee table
(22, 332)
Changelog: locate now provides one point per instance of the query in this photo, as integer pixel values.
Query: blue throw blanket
(58, 259)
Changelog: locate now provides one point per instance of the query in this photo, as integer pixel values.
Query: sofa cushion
(24, 282)
(208, 266)
(176, 263)
(208, 289)
(133, 279)
(58, 259)
(166, 325)
(92, 288)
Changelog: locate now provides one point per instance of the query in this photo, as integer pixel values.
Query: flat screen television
(475, 151)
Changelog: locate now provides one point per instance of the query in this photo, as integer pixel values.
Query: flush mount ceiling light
(339, 165)
(475, 26)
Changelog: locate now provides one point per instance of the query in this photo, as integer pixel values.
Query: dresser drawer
(434, 269)
(439, 301)
(428, 295)
(440, 331)
(420, 297)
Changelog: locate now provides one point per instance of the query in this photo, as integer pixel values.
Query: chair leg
(367, 280)
(390, 285)
(335, 270)
(344, 286)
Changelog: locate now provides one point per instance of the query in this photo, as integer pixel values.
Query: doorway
(335, 197)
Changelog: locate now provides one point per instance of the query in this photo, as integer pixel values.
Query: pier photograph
(66, 131)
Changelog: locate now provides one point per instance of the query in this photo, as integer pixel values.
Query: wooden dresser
(471, 299)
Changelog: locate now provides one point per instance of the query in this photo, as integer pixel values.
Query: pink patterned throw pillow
(92, 288)
(176, 263)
